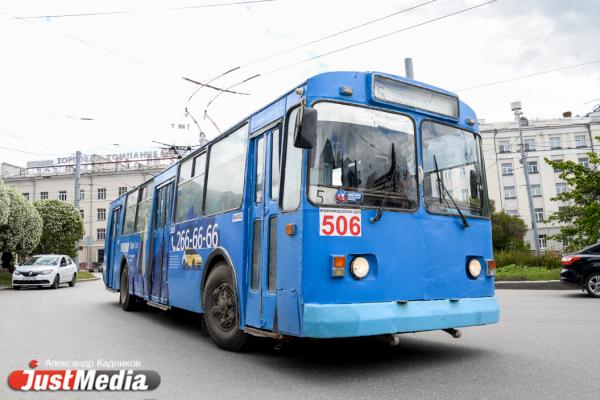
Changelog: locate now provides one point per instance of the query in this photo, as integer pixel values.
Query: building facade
(102, 180)
(567, 138)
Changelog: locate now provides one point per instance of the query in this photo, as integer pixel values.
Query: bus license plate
(340, 222)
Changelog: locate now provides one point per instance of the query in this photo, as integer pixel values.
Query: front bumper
(367, 319)
(39, 280)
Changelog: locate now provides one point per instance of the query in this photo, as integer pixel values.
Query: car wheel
(16, 287)
(73, 280)
(592, 284)
(56, 281)
(127, 301)
(221, 311)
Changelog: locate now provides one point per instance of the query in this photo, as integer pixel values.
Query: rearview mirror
(473, 184)
(305, 136)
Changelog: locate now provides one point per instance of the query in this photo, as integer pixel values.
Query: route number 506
(339, 222)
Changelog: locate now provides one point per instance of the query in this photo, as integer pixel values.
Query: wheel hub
(595, 285)
(224, 310)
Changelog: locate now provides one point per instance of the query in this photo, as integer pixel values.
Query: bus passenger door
(160, 240)
(112, 244)
(261, 300)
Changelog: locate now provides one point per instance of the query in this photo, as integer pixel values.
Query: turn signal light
(491, 267)
(290, 229)
(339, 266)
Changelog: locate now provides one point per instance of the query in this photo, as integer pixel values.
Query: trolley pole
(516, 107)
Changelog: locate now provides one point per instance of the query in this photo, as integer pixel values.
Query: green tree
(23, 228)
(4, 204)
(63, 227)
(507, 231)
(580, 213)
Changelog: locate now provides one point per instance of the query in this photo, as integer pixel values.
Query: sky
(112, 82)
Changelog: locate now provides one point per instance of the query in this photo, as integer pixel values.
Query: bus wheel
(126, 300)
(221, 309)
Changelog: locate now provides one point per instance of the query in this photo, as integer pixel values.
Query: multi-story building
(567, 138)
(103, 179)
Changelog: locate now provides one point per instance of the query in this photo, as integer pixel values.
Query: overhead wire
(372, 39)
(121, 55)
(100, 13)
(514, 78)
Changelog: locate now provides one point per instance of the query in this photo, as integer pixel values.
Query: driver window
(63, 262)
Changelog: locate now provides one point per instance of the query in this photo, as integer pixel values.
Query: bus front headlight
(359, 267)
(474, 268)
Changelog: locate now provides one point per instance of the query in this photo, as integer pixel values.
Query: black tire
(16, 287)
(126, 300)
(221, 310)
(73, 280)
(56, 282)
(592, 284)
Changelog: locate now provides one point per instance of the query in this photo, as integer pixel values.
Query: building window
(539, 214)
(504, 146)
(81, 194)
(529, 144)
(507, 169)
(44, 195)
(102, 194)
(561, 187)
(81, 212)
(512, 213)
(509, 192)
(580, 141)
(101, 234)
(555, 143)
(536, 190)
(101, 214)
(122, 190)
(542, 241)
(26, 195)
(62, 195)
(100, 255)
(584, 161)
(532, 167)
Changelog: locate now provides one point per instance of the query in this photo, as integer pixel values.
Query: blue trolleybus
(353, 205)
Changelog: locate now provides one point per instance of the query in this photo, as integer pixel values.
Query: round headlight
(359, 267)
(474, 268)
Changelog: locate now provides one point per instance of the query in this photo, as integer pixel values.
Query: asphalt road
(547, 346)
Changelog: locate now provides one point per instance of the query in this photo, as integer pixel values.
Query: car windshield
(362, 156)
(42, 260)
(453, 168)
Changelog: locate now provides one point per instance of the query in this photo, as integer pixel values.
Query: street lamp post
(516, 108)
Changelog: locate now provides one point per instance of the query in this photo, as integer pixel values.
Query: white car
(45, 270)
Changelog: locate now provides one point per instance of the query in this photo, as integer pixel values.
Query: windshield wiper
(441, 184)
(387, 193)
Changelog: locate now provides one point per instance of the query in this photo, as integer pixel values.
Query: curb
(78, 280)
(535, 285)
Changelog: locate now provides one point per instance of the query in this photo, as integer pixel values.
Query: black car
(582, 269)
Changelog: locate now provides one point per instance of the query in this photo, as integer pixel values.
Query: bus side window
(143, 208)
(226, 173)
(275, 159)
(130, 211)
(190, 190)
(292, 171)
